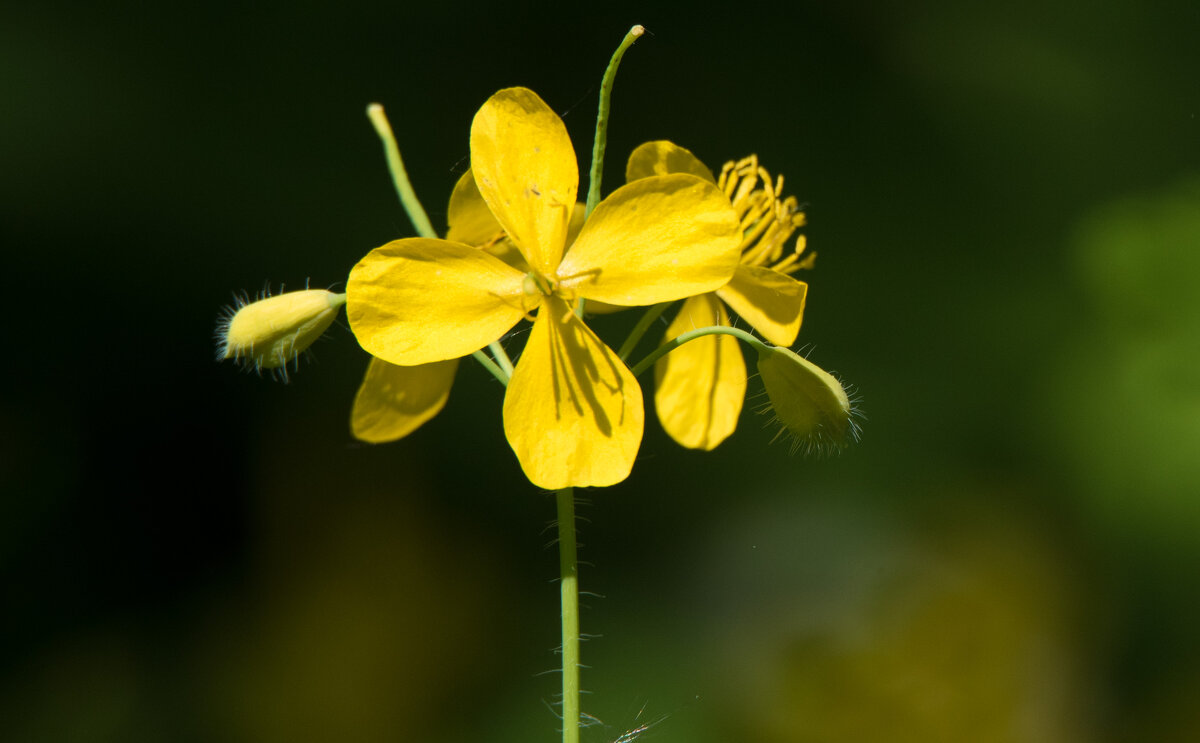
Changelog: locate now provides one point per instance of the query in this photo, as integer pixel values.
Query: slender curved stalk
(404, 189)
(692, 335)
(569, 585)
(501, 357)
(601, 141)
(643, 324)
(492, 367)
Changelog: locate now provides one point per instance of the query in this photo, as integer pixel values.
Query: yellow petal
(772, 302)
(525, 168)
(573, 411)
(506, 251)
(575, 226)
(593, 307)
(700, 386)
(663, 158)
(419, 300)
(657, 239)
(468, 216)
(394, 401)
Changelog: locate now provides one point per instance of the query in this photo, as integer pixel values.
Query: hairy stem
(569, 584)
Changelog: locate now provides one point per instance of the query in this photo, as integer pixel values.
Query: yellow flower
(700, 386)
(271, 331)
(573, 412)
(393, 401)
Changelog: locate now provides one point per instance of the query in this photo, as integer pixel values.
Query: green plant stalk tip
(404, 189)
(606, 86)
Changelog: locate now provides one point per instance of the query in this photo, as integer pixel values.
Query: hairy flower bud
(270, 332)
(809, 402)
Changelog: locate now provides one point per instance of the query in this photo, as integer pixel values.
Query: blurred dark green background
(1006, 203)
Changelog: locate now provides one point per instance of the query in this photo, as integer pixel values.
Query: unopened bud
(810, 403)
(270, 332)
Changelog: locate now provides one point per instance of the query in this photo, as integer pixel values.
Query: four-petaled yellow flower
(573, 412)
(700, 386)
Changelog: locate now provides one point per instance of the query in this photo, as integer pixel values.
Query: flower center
(767, 221)
(535, 284)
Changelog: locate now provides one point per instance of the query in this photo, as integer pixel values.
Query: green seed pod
(809, 402)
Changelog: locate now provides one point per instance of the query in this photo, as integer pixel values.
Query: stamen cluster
(767, 221)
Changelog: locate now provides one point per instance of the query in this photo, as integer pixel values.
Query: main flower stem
(569, 585)
(692, 335)
(601, 141)
(404, 189)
